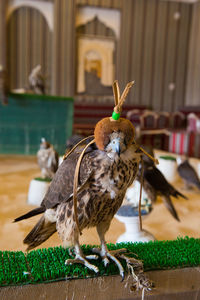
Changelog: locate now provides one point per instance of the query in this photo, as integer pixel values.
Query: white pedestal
(133, 194)
(133, 232)
(37, 191)
(168, 168)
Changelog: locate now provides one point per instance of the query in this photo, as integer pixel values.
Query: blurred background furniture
(177, 132)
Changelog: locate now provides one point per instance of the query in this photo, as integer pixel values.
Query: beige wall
(193, 72)
(2, 33)
(156, 48)
(63, 72)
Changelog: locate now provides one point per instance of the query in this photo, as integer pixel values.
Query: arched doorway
(29, 43)
(96, 45)
(93, 63)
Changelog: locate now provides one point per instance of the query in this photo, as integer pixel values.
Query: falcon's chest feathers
(108, 186)
(112, 171)
(115, 175)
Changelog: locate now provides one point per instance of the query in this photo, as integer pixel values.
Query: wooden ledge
(176, 284)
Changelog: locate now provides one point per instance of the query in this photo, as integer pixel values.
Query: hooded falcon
(47, 159)
(188, 173)
(104, 175)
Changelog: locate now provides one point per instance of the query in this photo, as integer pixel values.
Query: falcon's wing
(61, 188)
(169, 205)
(155, 178)
(158, 181)
(151, 192)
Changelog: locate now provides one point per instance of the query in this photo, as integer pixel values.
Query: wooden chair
(163, 120)
(134, 116)
(177, 120)
(148, 120)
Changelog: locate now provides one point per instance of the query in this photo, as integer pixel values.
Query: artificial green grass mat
(46, 265)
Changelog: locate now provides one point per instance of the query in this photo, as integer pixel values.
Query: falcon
(188, 174)
(47, 159)
(105, 173)
(36, 81)
(155, 184)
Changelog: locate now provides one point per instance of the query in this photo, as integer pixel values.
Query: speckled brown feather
(61, 187)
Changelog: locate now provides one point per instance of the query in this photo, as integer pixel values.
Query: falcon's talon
(92, 257)
(83, 261)
(70, 251)
(105, 254)
(106, 261)
(123, 276)
(131, 261)
(102, 254)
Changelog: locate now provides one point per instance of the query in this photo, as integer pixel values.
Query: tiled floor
(15, 175)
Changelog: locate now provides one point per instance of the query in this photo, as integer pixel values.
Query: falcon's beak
(116, 146)
(118, 149)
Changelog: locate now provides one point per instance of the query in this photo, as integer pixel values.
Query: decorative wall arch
(29, 43)
(45, 8)
(105, 48)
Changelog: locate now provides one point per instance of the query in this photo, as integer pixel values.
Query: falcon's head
(44, 144)
(114, 137)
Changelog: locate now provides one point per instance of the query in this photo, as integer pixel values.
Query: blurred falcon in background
(188, 173)
(155, 184)
(47, 159)
(37, 81)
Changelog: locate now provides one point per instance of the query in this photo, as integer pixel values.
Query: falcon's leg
(104, 252)
(135, 266)
(80, 259)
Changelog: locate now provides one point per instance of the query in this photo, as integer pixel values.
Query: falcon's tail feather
(176, 193)
(40, 233)
(169, 205)
(33, 212)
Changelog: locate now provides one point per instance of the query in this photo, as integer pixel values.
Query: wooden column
(193, 72)
(3, 33)
(63, 69)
